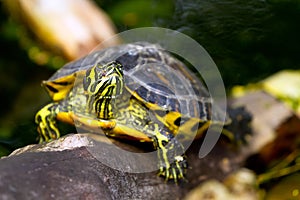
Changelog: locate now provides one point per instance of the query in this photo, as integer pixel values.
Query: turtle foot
(174, 171)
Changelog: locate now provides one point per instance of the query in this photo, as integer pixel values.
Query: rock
(66, 169)
(239, 185)
(72, 168)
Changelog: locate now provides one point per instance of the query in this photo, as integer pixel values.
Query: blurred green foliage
(248, 40)
(135, 13)
(17, 74)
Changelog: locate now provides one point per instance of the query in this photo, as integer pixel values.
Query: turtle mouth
(107, 97)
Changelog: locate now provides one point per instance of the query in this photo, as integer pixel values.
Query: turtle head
(102, 84)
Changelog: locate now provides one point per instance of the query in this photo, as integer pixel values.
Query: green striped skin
(103, 83)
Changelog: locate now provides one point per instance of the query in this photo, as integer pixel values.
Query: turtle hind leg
(46, 121)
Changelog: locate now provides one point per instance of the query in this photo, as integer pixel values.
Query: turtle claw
(174, 171)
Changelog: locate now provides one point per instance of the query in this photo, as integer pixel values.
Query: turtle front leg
(172, 160)
(46, 121)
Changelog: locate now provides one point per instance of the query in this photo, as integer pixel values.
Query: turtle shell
(151, 74)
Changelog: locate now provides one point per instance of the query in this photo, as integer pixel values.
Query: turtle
(137, 91)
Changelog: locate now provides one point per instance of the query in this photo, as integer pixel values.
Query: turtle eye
(102, 74)
(100, 71)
